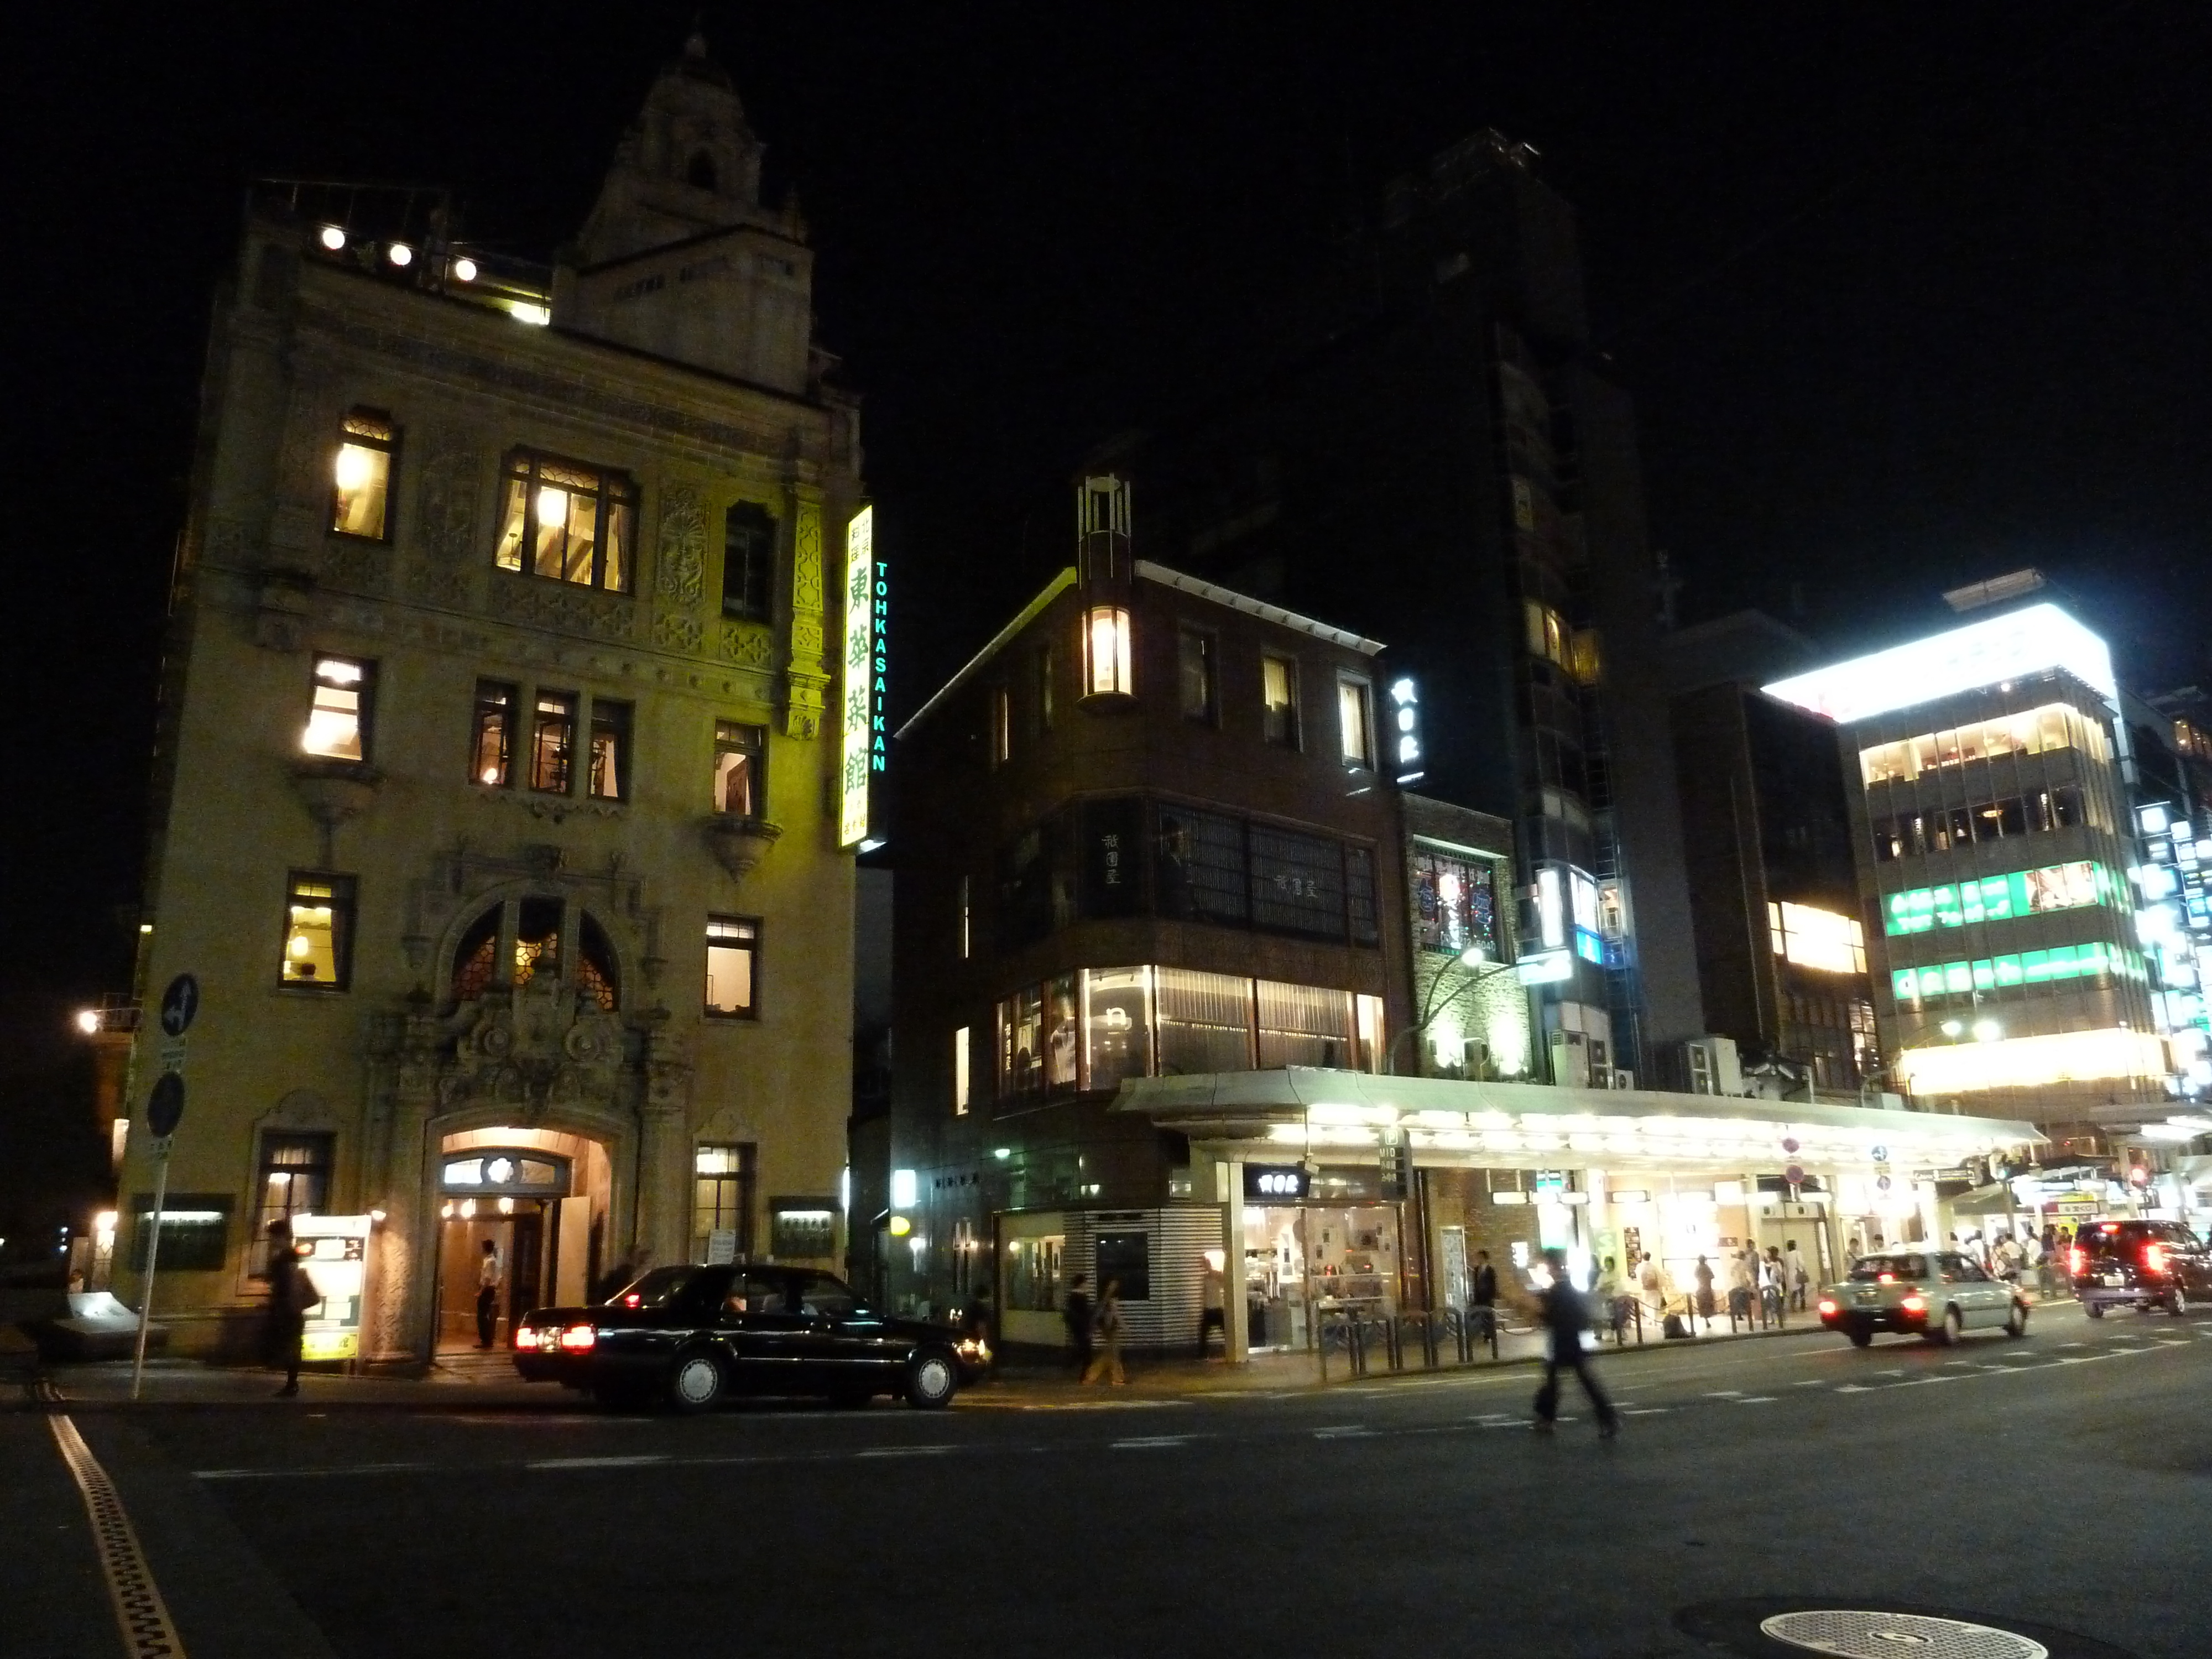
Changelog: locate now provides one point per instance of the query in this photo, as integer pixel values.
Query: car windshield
(1873, 1269)
(2115, 1238)
(656, 1289)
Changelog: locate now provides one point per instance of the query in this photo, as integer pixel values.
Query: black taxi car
(695, 1336)
(2141, 1264)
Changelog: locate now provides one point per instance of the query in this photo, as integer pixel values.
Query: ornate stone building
(494, 810)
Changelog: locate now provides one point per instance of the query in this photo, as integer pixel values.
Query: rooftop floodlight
(400, 254)
(465, 270)
(333, 239)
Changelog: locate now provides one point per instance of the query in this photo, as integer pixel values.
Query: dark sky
(1903, 301)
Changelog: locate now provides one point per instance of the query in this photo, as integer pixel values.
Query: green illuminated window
(1997, 898)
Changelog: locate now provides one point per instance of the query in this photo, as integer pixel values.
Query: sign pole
(153, 1255)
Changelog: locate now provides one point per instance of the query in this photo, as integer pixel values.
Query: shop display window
(1117, 1025)
(1033, 1273)
(1205, 1022)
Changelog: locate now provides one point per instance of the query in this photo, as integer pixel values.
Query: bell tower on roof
(679, 256)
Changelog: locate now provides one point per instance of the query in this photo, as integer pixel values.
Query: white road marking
(905, 1451)
(1153, 1441)
(596, 1462)
(284, 1473)
(1345, 1432)
(1646, 1411)
(1757, 1400)
(1725, 1393)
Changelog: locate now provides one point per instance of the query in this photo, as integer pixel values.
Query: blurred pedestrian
(487, 1278)
(1703, 1275)
(1612, 1301)
(1740, 1284)
(1771, 1294)
(1106, 1364)
(1566, 1318)
(291, 1294)
(1077, 1317)
(1213, 1295)
(1800, 1278)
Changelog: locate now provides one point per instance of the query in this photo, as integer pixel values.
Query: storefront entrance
(538, 1199)
(1305, 1262)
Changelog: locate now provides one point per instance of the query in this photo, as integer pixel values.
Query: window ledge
(740, 843)
(334, 790)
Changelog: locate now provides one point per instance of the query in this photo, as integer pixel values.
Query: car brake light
(2077, 1259)
(1915, 1303)
(632, 1299)
(1885, 1278)
(524, 1337)
(2155, 1258)
(578, 1337)
(1827, 1304)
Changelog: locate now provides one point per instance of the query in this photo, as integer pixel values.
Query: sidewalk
(476, 1383)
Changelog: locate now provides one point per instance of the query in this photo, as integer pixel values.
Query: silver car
(1937, 1294)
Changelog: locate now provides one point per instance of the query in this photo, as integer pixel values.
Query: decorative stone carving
(564, 607)
(280, 617)
(673, 631)
(739, 844)
(747, 643)
(334, 790)
(359, 567)
(532, 1049)
(444, 569)
(805, 677)
(683, 558)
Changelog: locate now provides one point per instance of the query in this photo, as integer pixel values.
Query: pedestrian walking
(291, 1294)
(1076, 1316)
(487, 1278)
(1612, 1300)
(1771, 1296)
(1212, 1314)
(1482, 1297)
(1106, 1364)
(1703, 1275)
(1566, 1318)
(1800, 1280)
(1741, 1282)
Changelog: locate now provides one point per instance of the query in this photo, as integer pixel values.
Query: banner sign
(862, 734)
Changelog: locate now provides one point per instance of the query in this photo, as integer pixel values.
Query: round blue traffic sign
(165, 1107)
(178, 1004)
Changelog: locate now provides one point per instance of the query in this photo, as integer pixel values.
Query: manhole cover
(1851, 1634)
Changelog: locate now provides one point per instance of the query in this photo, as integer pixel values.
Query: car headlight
(974, 1347)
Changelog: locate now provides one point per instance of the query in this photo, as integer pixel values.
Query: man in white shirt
(1800, 1278)
(487, 1278)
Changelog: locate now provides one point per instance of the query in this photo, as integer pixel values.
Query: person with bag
(1801, 1281)
(291, 1294)
(1076, 1316)
(1703, 1278)
(1565, 1317)
(1106, 1364)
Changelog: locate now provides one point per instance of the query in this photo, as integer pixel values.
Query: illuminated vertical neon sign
(879, 622)
(860, 675)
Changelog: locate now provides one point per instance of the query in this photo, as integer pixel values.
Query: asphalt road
(2059, 1482)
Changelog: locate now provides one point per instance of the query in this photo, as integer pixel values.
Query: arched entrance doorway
(541, 1199)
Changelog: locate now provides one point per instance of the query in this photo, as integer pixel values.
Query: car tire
(932, 1380)
(2177, 1302)
(696, 1381)
(2094, 1310)
(2017, 1325)
(1861, 1338)
(1953, 1327)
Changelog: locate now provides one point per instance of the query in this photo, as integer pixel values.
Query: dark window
(318, 910)
(1297, 884)
(493, 761)
(2001, 818)
(740, 769)
(1126, 1260)
(360, 499)
(552, 742)
(1198, 866)
(536, 940)
(722, 1202)
(699, 171)
(293, 1179)
(339, 709)
(1888, 846)
(1957, 829)
(2066, 806)
(1044, 684)
(733, 968)
(1002, 725)
(1359, 894)
(1194, 676)
(194, 1229)
(609, 774)
(567, 522)
(1036, 891)
(748, 560)
(476, 958)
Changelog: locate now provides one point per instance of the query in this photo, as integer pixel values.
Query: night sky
(1903, 302)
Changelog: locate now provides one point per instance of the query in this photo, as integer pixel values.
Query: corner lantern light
(1106, 652)
(400, 254)
(333, 239)
(2014, 646)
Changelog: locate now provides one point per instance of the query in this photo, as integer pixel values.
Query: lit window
(732, 951)
(318, 930)
(339, 715)
(960, 1071)
(1817, 938)
(722, 1203)
(1106, 652)
(740, 774)
(967, 921)
(1278, 701)
(492, 760)
(1195, 674)
(360, 503)
(1551, 638)
(2051, 726)
(748, 560)
(568, 523)
(552, 742)
(295, 1180)
(609, 774)
(1002, 725)
(1356, 722)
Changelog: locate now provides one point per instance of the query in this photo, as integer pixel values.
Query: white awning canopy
(1288, 1112)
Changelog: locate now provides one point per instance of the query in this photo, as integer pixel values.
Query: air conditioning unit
(1623, 1080)
(1475, 1057)
(1713, 1065)
(1571, 1059)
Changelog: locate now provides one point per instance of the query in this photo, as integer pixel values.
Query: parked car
(2142, 1264)
(1937, 1294)
(693, 1336)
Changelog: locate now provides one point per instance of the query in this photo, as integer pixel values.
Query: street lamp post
(1472, 959)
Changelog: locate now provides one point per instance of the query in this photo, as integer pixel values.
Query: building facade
(1991, 799)
(1144, 832)
(1429, 452)
(494, 803)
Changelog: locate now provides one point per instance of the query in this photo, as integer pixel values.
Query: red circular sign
(1789, 1145)
(1794, 1174)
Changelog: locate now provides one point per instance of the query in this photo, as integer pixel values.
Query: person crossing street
(1565, 1317)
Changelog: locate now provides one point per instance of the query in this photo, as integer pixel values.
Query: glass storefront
(1339, 1253)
